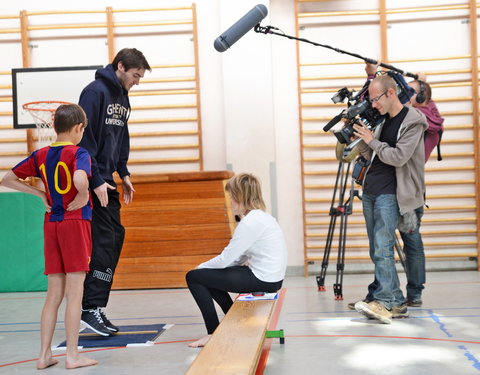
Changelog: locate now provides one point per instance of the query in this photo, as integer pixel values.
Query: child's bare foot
(79, 361)
(200, 342)
(45, 363)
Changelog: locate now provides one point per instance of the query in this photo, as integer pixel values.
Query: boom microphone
(240, 28)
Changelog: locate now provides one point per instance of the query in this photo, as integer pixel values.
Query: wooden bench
(237, 343)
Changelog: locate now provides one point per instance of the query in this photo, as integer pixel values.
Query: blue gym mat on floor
(139, 334)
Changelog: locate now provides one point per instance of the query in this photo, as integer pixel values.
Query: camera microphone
(333, 122)
(240, 28)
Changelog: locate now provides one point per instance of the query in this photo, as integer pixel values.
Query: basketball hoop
(43, 113)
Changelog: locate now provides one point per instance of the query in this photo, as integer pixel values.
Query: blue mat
(140, 334)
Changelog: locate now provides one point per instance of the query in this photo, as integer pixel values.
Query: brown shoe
(414, 303)
(351, 305)
(374, 310)
(399, 312)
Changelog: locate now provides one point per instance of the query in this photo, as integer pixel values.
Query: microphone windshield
(240, 28)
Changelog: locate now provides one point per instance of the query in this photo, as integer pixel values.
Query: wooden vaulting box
(175, 222)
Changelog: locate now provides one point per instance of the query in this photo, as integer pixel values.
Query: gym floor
(322, 335)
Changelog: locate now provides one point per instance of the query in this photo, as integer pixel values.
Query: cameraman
(412, 241)
(393, 188)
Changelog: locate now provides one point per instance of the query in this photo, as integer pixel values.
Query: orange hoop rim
(27, 106)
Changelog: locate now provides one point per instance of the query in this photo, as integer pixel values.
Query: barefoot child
(255, 259)
(64, 169)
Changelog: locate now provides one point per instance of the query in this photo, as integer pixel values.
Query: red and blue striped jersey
(55, 165)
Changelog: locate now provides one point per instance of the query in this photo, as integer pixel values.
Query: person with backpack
(422, 100)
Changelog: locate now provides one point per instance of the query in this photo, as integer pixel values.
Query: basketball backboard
(44, 84)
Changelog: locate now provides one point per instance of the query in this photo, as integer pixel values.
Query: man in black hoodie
(105, 101)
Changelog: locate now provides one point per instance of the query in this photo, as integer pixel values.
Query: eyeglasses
(374, 100)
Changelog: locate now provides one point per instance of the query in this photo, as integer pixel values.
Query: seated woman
(255, 259)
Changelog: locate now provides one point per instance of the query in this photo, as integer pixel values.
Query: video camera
(360, 110)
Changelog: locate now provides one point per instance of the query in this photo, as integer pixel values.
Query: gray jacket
(408, 158)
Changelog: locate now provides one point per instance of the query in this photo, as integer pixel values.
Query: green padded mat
(21, 243)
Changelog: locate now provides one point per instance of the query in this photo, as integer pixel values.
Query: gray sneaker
(374, 310)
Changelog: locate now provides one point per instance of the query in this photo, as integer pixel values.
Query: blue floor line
(441, 325)
(470, 357)
(63, 329)
(29, 330)
(115, 320)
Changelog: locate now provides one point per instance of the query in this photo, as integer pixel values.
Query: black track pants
(209, 284)
(107, 240)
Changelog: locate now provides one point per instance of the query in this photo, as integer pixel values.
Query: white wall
(287, 135)
(257, 78)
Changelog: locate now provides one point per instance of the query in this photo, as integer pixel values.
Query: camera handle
(352, 145)
(271, 30)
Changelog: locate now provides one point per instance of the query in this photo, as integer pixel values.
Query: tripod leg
(346, 210)
(326, 255)
(331, 230)
(337, 287)
(342, 241)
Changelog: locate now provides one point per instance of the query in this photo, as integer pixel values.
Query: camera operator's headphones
(421, 97)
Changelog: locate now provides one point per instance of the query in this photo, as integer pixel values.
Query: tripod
(342, 209)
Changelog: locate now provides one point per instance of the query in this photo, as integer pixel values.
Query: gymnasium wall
(249, 94)
(438, 38)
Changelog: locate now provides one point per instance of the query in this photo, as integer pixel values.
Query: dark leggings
(209, 284)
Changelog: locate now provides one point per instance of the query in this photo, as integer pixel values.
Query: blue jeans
(415, 260)
(381, 217)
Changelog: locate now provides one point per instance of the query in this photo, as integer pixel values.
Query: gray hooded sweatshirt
(408, 158)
